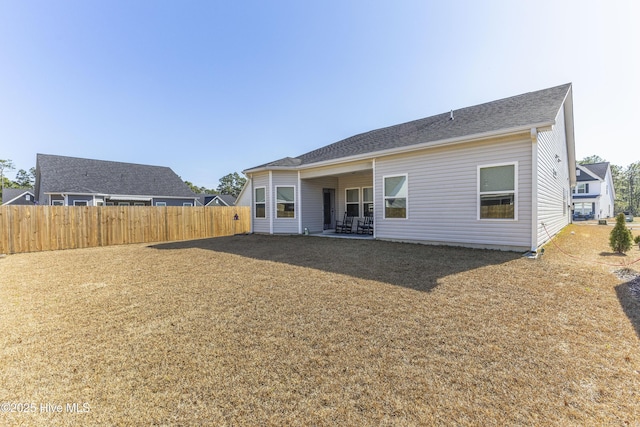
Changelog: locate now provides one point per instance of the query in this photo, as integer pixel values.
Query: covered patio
(330, 195)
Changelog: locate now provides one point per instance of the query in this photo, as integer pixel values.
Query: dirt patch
(265, 330)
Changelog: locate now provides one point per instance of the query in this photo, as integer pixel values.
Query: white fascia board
(73, 193)
(137, 196)
(567, 104)
(130, 196)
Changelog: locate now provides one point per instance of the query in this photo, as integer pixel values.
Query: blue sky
(213, 87)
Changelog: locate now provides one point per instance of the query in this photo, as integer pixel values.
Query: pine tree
(620, 238)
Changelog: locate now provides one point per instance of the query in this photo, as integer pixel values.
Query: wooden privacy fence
(44, 228)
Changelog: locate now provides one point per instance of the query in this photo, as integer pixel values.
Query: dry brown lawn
(266, 330)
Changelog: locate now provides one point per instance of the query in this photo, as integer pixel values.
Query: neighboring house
(496, 175)
(18, 196)
(72, 181)
(216, 200)
(594, 194)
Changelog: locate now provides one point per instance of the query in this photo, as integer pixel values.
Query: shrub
(620, 237)
(637, 240)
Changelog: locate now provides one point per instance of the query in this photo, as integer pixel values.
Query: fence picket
(42, 228)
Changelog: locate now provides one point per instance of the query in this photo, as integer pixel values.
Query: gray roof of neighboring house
(228, 199)
(532, 108)
(598, 169)
(11, 193)
(76, 175)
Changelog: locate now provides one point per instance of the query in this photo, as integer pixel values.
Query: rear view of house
(495, 175)
(73, 181)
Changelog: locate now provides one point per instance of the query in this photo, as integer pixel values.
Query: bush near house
(620, 237)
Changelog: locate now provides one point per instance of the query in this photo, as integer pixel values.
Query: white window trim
(187, 203)
(124, 204)
(359, 202)
(384, 197)
(161, 204)
(82, 201)
(255, 202)
(138, 204)
(57, 202)
(516, 198)
(275, 205)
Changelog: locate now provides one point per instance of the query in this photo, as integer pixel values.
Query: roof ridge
(535, 108)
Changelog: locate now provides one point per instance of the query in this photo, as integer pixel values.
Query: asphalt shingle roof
(12, 193)
(598, 169)
(77, 175)
(522, 110)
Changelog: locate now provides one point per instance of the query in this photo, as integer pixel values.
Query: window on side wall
(395, 196)
(260, 202)
(161, 203)
(497, 191)
(285, 202)
(582, 188)
(352, 197)
(57, 202)
(80, 203)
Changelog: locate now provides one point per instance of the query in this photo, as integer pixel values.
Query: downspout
(272, 199)
(299, 203)
(534, 190)
(375, 210)
(253, 202)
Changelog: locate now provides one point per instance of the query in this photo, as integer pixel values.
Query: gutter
(131, 196)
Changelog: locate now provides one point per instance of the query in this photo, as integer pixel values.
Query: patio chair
(365, 225)
(346, 225)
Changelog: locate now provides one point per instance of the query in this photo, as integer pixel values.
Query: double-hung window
(353, 202)
(367, 201)
(497, 191)
(286, 202)
(260, 202)
(395, 196)
(582, 188)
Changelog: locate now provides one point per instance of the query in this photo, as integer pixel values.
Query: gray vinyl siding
(261, 225)
(285, 225)
(443, 195)
(312, 205)
(553, 180)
